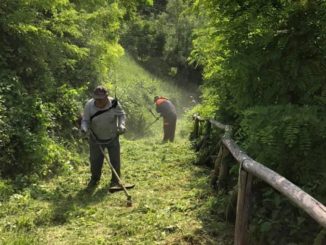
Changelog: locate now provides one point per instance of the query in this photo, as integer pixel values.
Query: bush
(290, 140)
(31, 127)
(286, 138)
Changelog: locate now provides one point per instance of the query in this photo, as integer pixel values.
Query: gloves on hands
(121, 129)
(83, 132)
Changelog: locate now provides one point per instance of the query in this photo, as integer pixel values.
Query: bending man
(169, 114)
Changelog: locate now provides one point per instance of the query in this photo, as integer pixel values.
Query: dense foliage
(264, 65)
(162, 33)
(51, 53)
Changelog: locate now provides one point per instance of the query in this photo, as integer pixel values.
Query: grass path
(172, 203)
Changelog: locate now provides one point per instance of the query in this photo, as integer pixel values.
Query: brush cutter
(152, 123)
(124, 188)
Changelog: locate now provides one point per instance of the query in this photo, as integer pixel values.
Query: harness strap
(114, 104)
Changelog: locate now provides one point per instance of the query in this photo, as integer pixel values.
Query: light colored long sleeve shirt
(105, 125)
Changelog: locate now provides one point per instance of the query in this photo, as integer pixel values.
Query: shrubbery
(33, 129)
(52, 53)
(264, 65)
(163, 34)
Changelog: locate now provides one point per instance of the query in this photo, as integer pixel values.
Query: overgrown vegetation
(264, 66)
(166, 199)
(162, 34)
(52, 53)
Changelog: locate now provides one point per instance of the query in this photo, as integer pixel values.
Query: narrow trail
(172, 200)
(172, 203)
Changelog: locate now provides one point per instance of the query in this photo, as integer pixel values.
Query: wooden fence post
(217, 163)
(243, 205)
(221, 170)
(248, 169)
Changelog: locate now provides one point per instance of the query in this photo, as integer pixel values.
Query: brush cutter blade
(119, 187)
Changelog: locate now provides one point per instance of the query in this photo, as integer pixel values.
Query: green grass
(132, 83)
(172, 200)
(172, 203)
(131, 80)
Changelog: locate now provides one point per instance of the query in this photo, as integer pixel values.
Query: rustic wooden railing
(248, 169)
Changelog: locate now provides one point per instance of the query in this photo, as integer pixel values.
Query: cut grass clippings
(172, 203)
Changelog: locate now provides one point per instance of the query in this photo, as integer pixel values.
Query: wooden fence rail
(249, 168)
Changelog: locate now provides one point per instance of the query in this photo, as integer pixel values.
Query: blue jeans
(97, 158)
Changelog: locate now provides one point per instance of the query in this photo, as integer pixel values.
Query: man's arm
(121, 117)
(86, 118)
(159, 110)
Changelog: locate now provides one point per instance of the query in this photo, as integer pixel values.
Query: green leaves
(164, 32)
(49, 49)
(265, 61)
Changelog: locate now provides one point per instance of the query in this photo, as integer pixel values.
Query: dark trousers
(169, 125)
(96, 159)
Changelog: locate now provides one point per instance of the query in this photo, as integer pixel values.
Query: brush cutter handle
(115, 172)
(152, 123)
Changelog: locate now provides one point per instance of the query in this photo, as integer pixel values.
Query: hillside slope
(172, 201)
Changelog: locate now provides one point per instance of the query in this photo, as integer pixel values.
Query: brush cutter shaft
(112, 168)
(152, 123)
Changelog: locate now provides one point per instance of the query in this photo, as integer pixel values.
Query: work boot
(114, 184)
(92, 184)
(113, 187)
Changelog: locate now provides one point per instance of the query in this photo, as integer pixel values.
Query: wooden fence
(248, 169)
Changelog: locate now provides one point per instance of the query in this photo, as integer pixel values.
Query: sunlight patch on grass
(168, 202)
